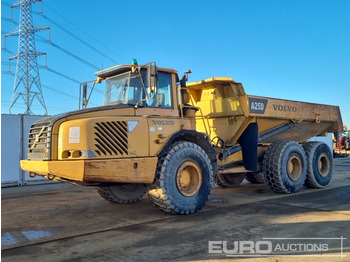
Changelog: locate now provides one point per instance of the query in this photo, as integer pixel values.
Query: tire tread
(272, 169)
(107, 193)
(158, 194)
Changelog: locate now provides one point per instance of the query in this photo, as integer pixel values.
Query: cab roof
(119, 69)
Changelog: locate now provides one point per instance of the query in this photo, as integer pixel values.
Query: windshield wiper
(123, 91)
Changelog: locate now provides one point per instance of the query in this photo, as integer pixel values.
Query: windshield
(126, 88)
(129, 89)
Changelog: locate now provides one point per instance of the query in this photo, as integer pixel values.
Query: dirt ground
(62, 222)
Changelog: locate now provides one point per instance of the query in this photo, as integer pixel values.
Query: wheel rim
(189, 178)
(294, 167)
(324, 165)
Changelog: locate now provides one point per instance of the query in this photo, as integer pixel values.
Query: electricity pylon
(27, 80)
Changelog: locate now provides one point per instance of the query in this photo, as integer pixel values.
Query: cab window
(163, 97)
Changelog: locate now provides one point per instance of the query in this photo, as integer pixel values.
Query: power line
(68, 77)
(7, 51)
(70, 53)
(103, 45)
(75, 56)
(60, 92)
(9, 20)
(48, 69)
(8, 73)
(58, 47)
(79, 39)
(60, 74)
(62, 109)
(57, 73)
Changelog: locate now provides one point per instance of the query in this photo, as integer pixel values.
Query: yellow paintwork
(222, 97)
(91, 114)
(228, 95)
(131, 170)
(224, 107)
(225, 113)
(282, 109)
(138, 145)
(147, 139)
(75, 147)
(216, 106)
(161, 130)
(72, 170)
(189, 178)
(107, 69)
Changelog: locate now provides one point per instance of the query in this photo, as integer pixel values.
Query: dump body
(310, 119)
(226, 112)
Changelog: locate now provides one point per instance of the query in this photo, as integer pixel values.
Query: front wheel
(184, 179)
(122, 193)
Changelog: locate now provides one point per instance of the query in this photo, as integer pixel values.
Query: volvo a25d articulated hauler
(159, 135)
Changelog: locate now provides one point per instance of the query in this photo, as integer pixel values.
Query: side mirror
(152, 78)
(183, 87)
(84, 94)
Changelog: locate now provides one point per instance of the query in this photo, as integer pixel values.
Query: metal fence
(14, 143)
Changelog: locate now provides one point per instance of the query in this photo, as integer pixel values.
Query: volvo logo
(285, 108)
(163, 122)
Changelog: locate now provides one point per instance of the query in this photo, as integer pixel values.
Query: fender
(195, 137)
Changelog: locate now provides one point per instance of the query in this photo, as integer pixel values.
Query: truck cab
(140, 112)
(136, 87)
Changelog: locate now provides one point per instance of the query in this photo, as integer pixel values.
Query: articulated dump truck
(159, 135)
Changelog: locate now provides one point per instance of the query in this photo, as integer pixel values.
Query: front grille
(111, 138)
(39, 141)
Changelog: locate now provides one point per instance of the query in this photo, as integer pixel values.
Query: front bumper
(127, 170)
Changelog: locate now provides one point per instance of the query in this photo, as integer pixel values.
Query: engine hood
(94, 111)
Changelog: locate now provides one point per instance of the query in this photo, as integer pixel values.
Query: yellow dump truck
(159, 135)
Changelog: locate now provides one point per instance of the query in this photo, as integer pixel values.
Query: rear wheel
(184, 179)
(285, 167)
(229, 179)
(320, 164)
(122, 193)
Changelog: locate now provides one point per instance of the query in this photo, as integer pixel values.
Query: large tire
(122, 193)
(320, 164)
(255, 177)
(184, 179)
(285, 167)
(229, 179)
